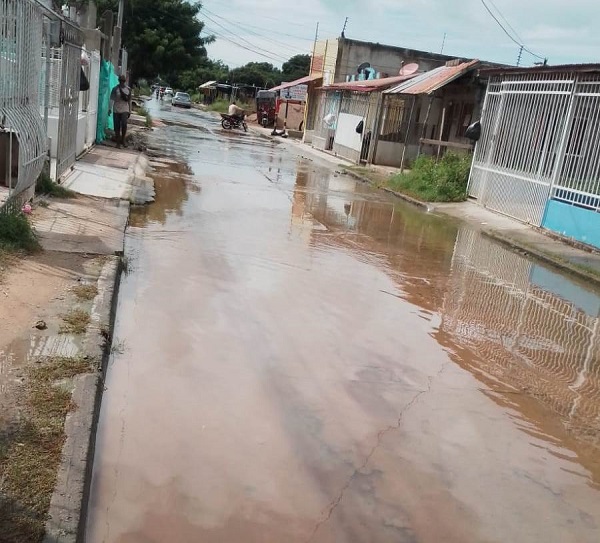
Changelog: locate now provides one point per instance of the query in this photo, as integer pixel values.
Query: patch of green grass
(75, 322)
(29, 458)
(45, 185)
(435, 181)
(221, 106)
(85, 292)
(16, 233)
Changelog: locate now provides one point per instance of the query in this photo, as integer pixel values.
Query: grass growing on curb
(75, 322)
(30, 457)
(85, 292)
(144, 113)
(45, 185)
(435, 181)
(16, 234)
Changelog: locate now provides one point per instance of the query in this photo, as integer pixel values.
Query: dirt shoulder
(41, 355)
(56, 321)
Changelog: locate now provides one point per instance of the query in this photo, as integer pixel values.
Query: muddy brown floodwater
(301, 359)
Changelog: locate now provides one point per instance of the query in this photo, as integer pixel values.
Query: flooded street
(298, 358)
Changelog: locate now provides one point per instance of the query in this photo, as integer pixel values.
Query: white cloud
(565, 32)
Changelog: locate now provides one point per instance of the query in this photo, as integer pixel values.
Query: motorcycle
(229, 122)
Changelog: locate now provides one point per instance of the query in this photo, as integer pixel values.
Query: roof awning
(207, 85)
(301, 81)
(429, 82)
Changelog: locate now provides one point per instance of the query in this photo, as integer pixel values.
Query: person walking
(120, 106)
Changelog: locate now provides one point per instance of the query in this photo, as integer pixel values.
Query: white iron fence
(70, 71)
(22, 133)
(540, 139)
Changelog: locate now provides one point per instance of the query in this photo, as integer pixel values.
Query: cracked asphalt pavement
(304, 359)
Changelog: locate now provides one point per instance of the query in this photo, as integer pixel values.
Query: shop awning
(301, 81)
(207, 85)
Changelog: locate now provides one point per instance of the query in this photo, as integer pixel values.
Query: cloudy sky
(273, 30)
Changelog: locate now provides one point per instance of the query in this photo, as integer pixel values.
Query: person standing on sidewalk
(120, 106)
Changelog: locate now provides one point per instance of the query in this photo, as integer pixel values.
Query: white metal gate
(20, 122)
(524, 126)
(92, 97)
(66, 149)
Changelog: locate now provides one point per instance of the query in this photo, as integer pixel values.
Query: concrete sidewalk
(568, 256)
(107, 172)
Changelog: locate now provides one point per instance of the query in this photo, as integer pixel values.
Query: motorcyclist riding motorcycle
(236, 111)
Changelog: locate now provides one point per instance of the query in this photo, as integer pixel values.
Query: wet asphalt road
(301, 359)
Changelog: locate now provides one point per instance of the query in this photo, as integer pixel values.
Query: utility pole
(520, 55)
(118, 32)
(344, 29)
(120, 14)
(443, 43)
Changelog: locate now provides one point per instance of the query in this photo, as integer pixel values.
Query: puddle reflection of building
(508, 321)
(171, 186)
(530, 327)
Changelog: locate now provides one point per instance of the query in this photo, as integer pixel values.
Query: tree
(259, 74)
(296, 67)
(162, 37)
(208, 70)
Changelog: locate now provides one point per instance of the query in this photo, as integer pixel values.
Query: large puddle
(307, 360)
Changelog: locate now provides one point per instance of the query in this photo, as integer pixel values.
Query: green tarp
(108, 81)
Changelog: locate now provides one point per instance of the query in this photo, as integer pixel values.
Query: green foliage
(162, 37)
(207, 70)
(295, 68)
(435, 181)
(45, 185)
(260, 74)
(16, 233)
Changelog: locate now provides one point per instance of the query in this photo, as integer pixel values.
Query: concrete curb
(68, 507)
(552, 260)
(142, 186)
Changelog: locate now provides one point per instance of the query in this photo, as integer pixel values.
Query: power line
(278, 43)
(242, 46)
(512, 38)
(241, 38)
(506, 21)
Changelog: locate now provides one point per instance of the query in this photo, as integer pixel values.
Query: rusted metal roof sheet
(429, 82)
(369, 85)
(301, 81)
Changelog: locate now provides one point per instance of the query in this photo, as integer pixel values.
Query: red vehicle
(265, 107)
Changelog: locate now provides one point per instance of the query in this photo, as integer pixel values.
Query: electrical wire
(246, 29)
(249, 44)
(506, 21)
(512, 38)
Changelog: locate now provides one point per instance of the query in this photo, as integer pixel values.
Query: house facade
(341, 60)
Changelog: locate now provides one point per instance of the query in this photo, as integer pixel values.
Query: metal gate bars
(22, 133)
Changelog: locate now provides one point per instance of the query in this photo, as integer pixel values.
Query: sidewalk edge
(68, 507)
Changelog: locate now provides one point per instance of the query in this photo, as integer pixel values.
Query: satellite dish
(362, 67)
(409, 69)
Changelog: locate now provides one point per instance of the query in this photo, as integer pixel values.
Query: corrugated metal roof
(301, 81)
(369, 85)
(430, 81)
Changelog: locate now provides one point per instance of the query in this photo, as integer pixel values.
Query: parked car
(182, 99)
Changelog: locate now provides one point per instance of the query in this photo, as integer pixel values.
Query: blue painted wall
(573, 222)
